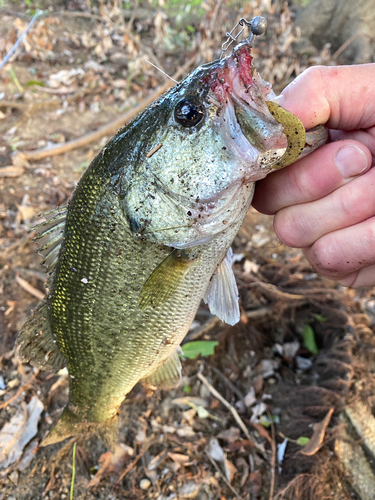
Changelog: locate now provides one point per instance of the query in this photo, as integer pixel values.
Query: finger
(300, 225)
(340, 97)
(341, 254)
(313, 177)
(366, 137)
(362, 277)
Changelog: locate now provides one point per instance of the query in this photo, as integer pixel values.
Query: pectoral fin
(168, 375)
(222, 293)
(164, 280)
(294, 131)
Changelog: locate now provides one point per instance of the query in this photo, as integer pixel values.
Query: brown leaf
(230, 435)
(317, 438)
(239, 444)
(180, 459)
(262, 431)
(11, 171)
(111, 462)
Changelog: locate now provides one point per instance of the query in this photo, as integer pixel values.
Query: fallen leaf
(281, 448)
(215, 450)
(185, 402)
(16, 433)
(11, 171)
(230, 470)
(308, 336)
(317, 438)
(189, 490)
(156, 461)
(230, 435)
(180, 459)
(111, 462)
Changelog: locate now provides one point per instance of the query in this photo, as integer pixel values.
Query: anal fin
(164, 280)
(167, 375)
(36, 344)
(222, 293)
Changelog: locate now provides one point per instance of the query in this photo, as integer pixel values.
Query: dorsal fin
(50, 236)
(222, 293)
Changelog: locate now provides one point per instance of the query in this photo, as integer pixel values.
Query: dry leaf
(317, 438)
(111, 462)
(16, 433)
(11, 171)
(230, 435)
(180, 459)
(230, 470)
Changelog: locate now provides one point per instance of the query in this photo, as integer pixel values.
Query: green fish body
(147, 235)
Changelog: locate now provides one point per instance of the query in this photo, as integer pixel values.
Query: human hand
(325, 202)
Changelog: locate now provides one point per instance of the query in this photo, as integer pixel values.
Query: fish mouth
(247, 121)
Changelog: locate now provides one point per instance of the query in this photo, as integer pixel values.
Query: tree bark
(337, 22)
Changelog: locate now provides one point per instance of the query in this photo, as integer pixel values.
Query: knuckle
(326, 256)
(289, 225)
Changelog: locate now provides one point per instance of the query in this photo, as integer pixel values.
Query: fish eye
(188, 112)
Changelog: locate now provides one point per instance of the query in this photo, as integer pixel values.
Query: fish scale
(126, 353)
(147, 236)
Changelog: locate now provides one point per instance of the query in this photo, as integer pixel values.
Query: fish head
(204, 144)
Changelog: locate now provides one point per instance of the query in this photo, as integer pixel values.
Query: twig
(226, 381)
(273, 457)
(257, 314)
(111, 127)
(30, 289)
(132, 464)
(268, 287)
(346, 44)
(20, 390)
(51, 481)
(222, 476)
(205, 328)
(231, 408)
(15, 46)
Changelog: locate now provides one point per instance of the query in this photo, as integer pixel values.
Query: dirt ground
(295, 377)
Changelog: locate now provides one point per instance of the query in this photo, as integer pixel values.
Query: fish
(147, 235)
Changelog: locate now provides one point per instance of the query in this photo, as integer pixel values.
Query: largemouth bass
(147, 235)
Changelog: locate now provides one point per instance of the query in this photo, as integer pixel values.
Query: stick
(209, 325)
(132, 464)
(231, 408)
(273, 457)
(15, 46)
(112, 127)
(30, 289)
(222, 476)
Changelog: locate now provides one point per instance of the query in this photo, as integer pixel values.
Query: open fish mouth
(260, 131)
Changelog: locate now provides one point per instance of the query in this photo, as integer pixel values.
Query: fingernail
(351, 161)
(279, 99)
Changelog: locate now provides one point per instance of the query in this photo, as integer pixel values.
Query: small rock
(145, 484)
(303, 363)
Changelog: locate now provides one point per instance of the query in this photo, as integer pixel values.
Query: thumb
(341, 97)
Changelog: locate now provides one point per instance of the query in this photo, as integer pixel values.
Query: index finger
(341, 97)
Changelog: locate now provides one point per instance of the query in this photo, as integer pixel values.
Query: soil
(280, 382)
